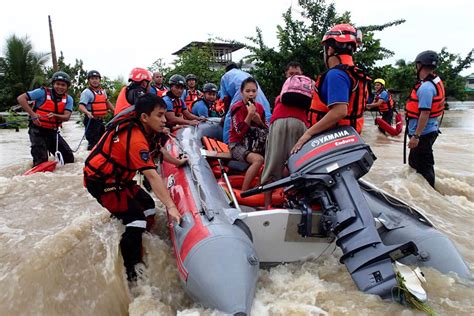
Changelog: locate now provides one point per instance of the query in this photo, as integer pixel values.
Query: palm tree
(24, 68)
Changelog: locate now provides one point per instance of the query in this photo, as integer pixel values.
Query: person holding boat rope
(95, 105)
(383, 102)
(111, 166)
(51, 108)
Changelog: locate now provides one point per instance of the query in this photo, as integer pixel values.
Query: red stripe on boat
(183, 198)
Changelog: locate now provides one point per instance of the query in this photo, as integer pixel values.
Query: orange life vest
(50, 106)
(191, 97)
(99, 104)
(357, 98)
(100, 164)
(122, 102)
(437, 107)
(385, 106)
(177, 104)
(161, 92)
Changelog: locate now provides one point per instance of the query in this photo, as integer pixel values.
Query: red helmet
(139, 74)
(344, 34)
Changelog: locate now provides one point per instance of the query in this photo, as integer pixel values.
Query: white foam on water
(59, 251)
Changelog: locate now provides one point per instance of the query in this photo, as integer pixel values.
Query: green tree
(159, 65)
(402, 76)
(200, 62)
(300, 40)
(112, 87)
(450, 65)
(24, 69)
(78, 76)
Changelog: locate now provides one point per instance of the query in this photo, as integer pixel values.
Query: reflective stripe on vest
(357, 99)
(50, 106)
(437, 106)
(99, 104)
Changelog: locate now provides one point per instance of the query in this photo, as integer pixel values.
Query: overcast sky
(114, 36)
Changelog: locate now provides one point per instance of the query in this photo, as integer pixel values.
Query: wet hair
(293, 64)
(147, 103)
(248, 80)
(231, 66)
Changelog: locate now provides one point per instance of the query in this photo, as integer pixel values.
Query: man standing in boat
(425, 105)
(176, 110)
(111, 166)
(336, 101)
(95, 105)
(51, 108)
(383, 101)
(230, 92)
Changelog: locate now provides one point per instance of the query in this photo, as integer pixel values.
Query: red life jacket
(101, 165)
(191, 97)
(99, 104)
(161, 92)
(177, 104)
(357, 98)
(385, 106)
(437, 107)
(50, 106)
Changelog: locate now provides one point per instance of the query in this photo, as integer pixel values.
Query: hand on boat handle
(174, 213)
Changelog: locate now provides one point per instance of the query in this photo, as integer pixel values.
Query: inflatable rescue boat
(224, 239)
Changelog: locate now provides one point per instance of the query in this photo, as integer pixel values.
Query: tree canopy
(23, 67)
(197, 61)
(299, 39)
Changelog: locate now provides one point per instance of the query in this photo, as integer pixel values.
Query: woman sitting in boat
(248, 131)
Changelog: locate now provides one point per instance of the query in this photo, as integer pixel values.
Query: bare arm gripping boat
(325, 201)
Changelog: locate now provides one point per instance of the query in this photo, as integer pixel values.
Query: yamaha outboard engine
(325, 172)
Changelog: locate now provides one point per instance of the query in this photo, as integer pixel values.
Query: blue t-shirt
(152, 89)
(336, 87)
(200, 108)
(169, 104)
(39, 95)
(384, 96)
(87, 97)
(426, 92)
(230, 87)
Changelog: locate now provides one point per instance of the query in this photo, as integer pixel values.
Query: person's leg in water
(39, 144)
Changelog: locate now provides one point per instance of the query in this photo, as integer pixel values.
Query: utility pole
(53, 48)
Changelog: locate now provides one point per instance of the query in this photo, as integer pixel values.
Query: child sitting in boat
(248, 131)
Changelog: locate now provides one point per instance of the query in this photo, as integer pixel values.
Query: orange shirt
(137, 152)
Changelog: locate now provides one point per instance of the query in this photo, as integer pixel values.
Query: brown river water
(59, 248)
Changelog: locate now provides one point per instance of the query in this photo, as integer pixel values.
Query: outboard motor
(325, 172)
